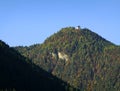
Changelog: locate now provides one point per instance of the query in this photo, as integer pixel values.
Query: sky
(27, 22)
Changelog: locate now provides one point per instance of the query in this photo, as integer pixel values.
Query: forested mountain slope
(18, 73)
(80, 57)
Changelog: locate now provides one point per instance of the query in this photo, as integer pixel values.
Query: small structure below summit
(77, 28)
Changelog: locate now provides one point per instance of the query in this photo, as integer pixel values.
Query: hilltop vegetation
(79, 57)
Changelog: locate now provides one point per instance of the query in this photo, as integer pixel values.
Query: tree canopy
(93, 62)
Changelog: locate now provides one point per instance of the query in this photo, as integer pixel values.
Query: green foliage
(93, 65)
(18, 73)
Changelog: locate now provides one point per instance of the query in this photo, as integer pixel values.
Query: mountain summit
(80, 57)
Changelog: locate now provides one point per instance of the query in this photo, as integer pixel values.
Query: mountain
(79, 57)
(18, 73)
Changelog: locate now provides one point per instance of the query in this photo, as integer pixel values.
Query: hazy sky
(26, 22)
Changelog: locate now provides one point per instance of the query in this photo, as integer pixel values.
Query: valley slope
(18, 73)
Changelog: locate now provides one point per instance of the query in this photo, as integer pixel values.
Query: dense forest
(18, 73)
(79, 57)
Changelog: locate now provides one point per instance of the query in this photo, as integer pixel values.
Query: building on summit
(78, 28)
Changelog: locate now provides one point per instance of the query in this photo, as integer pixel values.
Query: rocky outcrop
(63, 56)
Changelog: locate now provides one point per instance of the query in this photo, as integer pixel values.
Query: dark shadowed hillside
(17, 73)
(80, 57)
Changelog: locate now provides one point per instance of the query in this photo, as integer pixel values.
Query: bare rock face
(63, 56)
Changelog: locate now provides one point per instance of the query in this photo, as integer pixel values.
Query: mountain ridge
(79, 57)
